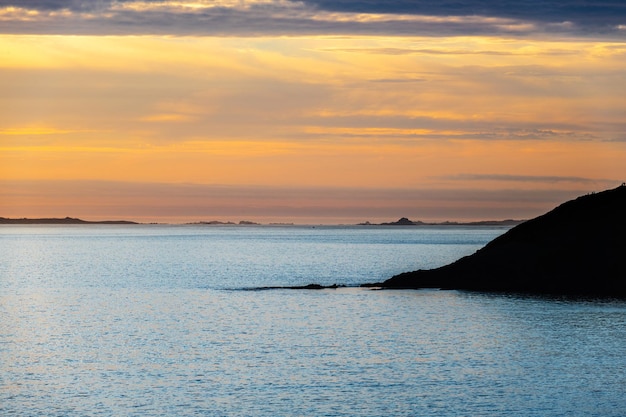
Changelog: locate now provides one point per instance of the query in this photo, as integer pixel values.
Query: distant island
(579, 248)
(66, 220)
(406, 222)
(220, 223)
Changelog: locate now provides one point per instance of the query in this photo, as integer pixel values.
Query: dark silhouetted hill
(579, 248)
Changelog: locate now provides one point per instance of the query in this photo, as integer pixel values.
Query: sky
(318, 111)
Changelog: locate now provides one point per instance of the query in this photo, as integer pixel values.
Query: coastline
(403, 222)
(575, 249)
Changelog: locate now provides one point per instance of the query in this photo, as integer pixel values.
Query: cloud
(46, 5)
(586, 12)
(314, 17)
(529, 178)
(451, 52)
(398, 80)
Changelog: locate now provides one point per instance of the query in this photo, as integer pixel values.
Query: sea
(196, 320)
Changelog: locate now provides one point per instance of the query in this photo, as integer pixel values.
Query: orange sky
(323, 129)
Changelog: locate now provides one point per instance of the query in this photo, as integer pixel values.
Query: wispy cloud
(529, 178)
(453, 52)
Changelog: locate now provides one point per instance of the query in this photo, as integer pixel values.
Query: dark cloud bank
(586, 12)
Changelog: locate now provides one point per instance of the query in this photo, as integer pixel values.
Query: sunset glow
(347, 117)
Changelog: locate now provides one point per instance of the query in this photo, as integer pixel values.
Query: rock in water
(579, 248)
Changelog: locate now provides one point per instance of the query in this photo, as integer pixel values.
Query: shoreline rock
(300, 287)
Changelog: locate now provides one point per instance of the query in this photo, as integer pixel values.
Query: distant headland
(406, 222)
(72, 220)
(66, 220)
(579, 248)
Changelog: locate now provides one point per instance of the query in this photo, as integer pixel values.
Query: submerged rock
(578, 248)
(301, 287)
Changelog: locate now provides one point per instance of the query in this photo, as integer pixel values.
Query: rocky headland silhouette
(579, 248)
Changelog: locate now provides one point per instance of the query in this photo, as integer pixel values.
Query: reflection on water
(333, 352)
(87, 350)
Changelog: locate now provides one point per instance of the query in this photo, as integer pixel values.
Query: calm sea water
(167, 321)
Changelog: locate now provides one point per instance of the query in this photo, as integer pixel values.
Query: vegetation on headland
(579, 248)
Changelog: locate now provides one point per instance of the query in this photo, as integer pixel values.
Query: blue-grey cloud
(55, 5)
(588, 12)
(604, 12)
(315, 17)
